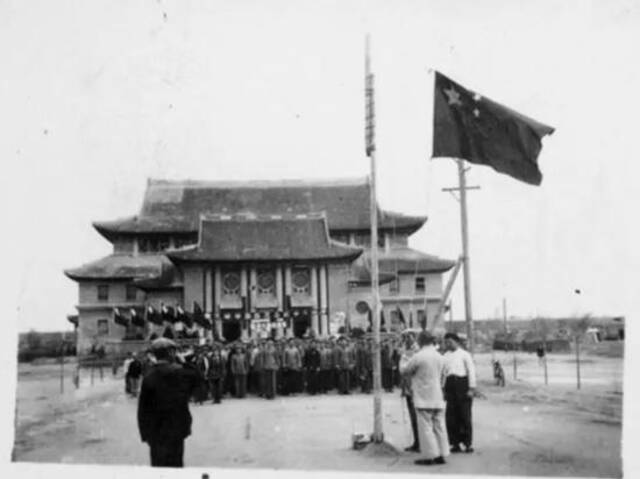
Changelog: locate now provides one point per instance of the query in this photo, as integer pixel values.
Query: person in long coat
(164, 420)
(343, 366)
(270, 366)
(216, 374)
(426, 370)
(312, 361)
(239, 369)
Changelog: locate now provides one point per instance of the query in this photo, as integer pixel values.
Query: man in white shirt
(459, 389)
(426, 372)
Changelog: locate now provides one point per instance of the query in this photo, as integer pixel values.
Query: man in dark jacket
(312, 366)
(164, 419)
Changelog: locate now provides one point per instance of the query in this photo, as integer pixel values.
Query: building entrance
(301, 322)
(231, 329)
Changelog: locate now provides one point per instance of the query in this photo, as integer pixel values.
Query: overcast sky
(96, 97)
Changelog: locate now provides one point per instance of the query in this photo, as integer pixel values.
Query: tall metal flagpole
(465, 253)
(378, 435)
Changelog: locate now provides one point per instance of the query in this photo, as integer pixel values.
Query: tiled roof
(175, 206)
(409, 260)
(361, 274)
(120, 266)
(243, 238)
(168, 278)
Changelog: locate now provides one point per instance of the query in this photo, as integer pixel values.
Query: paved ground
(521, 429)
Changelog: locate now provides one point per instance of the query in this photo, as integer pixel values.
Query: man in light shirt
(458, 391)
(426, 372)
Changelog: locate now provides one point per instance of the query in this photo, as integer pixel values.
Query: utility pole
(378, 435)
(462, 190)
(504, 314)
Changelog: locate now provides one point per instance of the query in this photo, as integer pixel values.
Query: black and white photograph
(319, 237)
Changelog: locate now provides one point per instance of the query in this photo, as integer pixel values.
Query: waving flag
(469, 126)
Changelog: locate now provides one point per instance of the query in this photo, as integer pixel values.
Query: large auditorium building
(262, 258)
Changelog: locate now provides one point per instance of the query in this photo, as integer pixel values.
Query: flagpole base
(382, 448)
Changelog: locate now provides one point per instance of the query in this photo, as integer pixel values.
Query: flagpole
(378, 435)
(465, 253)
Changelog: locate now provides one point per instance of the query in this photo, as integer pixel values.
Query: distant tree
(34, 340)
(542, 329)
(580, 326)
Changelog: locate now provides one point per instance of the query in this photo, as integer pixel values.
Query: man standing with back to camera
(425, 369)
(164, 419)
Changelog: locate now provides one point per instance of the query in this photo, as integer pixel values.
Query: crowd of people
(270, 368)
(437, 382)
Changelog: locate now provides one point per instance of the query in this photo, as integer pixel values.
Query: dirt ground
(525, 428)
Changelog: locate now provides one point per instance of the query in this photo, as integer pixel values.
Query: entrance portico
(265, 276)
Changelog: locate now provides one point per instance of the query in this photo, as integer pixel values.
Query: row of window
(266, 281)
(162, 243)
(360, 239)
(300, 278)
(131, 292)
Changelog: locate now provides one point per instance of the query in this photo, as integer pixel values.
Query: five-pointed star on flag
(453, 97)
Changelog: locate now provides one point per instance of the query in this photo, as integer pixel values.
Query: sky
(99, 96)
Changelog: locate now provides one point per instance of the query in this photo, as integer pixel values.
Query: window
(362, 239)
(381, 240)
(131, 292)
(103, 292)
(231, 284)
(362, 307)
(103, 327)
(143, 245)
(420, 284)
(342, 237)
(394, 286)
(301, 280)
(266, 282)
(422, 318)
(162, 244)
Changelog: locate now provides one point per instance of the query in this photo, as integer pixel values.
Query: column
(208, 290)
(135, 247)
(243, 293)
(387, 242)
(217, 297)
(280, 296)
(324, 306)
(253, 288)
(288, 290)
(314, 296)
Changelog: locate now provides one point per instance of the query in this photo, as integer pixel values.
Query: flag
(118, 318)
(199, 317)
(136, 319)
(152, 315)
(168, 314)
(469, 126)
(183, 316)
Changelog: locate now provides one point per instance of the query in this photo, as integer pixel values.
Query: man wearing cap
(459, 390)
(425, 369)
(164, 419)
